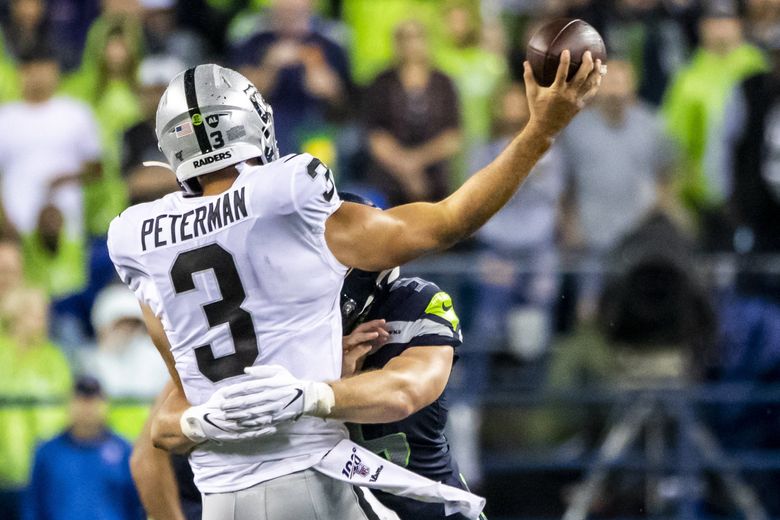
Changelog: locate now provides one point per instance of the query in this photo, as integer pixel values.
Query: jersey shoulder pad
(124, 241)
(313, 190)
(121, 226)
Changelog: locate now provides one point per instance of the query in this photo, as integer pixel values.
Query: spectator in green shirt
(53, 260)
(10, 88)
(35, 377)
(373, 22)
(107, 80)
(695, 103)
(476, 72)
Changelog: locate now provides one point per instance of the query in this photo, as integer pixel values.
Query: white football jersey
(238, 279)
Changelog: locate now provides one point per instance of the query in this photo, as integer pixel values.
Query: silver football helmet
(211, 117)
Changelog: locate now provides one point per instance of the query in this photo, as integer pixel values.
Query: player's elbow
(398, 406)
(159, 439)
(405, 399)
(167, 439)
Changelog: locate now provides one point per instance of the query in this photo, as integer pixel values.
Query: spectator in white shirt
(50, 146)
(125, 361)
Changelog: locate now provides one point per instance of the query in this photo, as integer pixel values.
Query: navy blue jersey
(418, 314)
(189, 495)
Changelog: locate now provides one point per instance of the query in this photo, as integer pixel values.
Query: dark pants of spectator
(10, 503)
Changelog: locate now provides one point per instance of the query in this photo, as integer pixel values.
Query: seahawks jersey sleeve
(301, 184)
(418, 313)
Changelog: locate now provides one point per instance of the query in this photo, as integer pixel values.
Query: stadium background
(621, 315)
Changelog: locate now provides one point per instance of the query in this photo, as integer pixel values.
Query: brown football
(547, 44)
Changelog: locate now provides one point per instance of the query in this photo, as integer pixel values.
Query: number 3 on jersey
(227, 310)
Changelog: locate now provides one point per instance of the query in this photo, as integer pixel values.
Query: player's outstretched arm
(366, 238)
(152, 471)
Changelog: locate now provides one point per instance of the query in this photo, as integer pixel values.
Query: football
(546, 45)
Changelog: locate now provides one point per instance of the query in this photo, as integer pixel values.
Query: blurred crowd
(592, 274)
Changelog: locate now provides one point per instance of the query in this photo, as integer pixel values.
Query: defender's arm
(370, 239)
(405, 385)
(177, 426)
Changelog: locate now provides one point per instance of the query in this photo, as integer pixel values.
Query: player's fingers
(594, 78)
(268, 430)
(601, 67)
(259, 413)
(246, 419)
(362, 350)
(356, 353)
(260, 395)
(586, 67)
(247, 388)
(593, 83)
(563, 69)
(371, 325)
(380, 341)
(358, 338)
(531, 86)
(256, 426)
(255, 434)
(236, 404)
(358, 348)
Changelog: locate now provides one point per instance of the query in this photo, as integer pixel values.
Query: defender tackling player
(246, 270)
(407, 371)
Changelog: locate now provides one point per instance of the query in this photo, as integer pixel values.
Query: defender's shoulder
(420, 313)
(414, 298)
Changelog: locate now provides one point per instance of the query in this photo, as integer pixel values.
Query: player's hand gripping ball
(547, 44)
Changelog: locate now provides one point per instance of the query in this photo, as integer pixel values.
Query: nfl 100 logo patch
(354, 466)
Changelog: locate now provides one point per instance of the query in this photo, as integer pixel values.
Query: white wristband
(191, 426)
(322, 400)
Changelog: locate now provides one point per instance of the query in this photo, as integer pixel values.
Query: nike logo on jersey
(298, 394)
(206, 418)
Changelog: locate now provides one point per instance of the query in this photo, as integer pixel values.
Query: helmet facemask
(358, 294)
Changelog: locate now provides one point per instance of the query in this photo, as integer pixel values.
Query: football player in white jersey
(243, 267)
